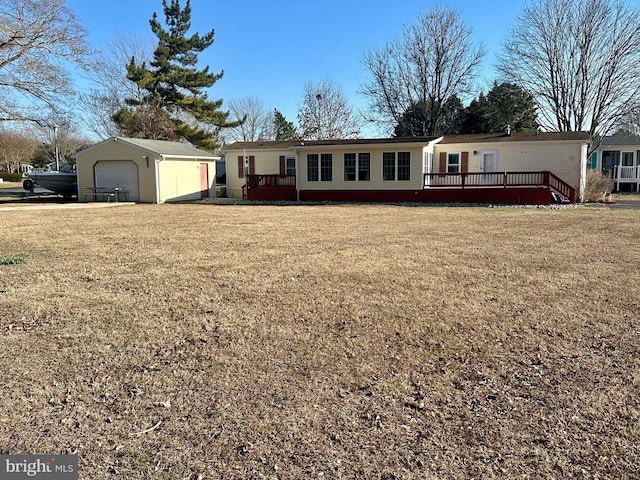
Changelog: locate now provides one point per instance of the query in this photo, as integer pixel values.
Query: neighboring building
(497, 168)
(618, 157)
(150, 171)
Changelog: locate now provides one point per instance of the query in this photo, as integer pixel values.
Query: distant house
(618, 157)
(151, 171)
(496, 168)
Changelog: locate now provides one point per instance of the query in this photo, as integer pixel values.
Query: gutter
(156, 162)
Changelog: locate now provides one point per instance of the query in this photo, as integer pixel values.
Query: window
(396, 166)
(453, 163)
(326, 167)
(357, 168)
(312, 167)
(610, 158)
(290, 165)
(404, 165)
(349, 167)
(388, 166)
(319, 167)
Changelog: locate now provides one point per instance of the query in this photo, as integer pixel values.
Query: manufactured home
(485, 168)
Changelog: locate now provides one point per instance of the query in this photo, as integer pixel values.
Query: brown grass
(323, 342)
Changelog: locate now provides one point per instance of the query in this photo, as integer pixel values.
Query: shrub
(596, 186)
(11, 177)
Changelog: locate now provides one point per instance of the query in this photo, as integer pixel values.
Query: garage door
(118, 173)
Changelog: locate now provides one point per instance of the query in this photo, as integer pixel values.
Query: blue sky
(269, 49)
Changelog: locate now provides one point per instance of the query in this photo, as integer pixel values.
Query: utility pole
(55, 146)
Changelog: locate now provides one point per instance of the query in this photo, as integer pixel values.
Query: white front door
(489, 164)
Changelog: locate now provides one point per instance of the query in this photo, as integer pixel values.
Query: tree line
(566, 65)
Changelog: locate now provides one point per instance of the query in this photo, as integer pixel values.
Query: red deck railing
(269, 187)
(500, 180)
(271, 181)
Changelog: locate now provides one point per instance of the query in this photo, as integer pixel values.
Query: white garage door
(118, 173)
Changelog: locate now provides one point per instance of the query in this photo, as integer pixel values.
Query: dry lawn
(373, 342)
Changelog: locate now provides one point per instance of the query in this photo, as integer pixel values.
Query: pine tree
(173, 83)
(284, 130)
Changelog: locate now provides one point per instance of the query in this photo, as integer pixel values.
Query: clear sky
(270, 49)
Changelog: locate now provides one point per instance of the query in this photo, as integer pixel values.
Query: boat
(63, 182)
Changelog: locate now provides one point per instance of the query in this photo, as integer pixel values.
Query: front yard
(211, 341)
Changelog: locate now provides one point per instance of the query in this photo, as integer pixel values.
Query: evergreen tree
(173, 84)
(476, 117)
(415, 121)
(509, 104)
(505, 104)
(284, 130)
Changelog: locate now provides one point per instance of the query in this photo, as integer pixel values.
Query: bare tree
(16, 148)
(433, 61)
(37, 37)
(257, 120)
(325, 113)
(110, 87)
(629, 124)
(579, 59)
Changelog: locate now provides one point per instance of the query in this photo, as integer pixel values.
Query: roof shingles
(448, 139)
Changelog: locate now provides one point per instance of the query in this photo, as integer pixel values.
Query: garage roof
(161, 148)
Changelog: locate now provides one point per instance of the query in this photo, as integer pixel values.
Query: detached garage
(149, 171)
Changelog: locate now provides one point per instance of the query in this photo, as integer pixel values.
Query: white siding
(376, 182)
(561, 158)
(116, 151)
(267, 162)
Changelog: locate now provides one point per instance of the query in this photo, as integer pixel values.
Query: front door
(489, 164)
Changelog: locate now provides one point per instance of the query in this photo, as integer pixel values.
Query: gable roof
(162, 148)
(447, 139)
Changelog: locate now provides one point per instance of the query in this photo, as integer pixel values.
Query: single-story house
(618, 157)
(142, 170)
(496, 168)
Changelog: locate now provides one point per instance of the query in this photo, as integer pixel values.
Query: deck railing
(500, 180)
(271, 181)
(628, 172)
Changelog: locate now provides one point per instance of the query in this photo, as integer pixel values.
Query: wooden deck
(476, 187)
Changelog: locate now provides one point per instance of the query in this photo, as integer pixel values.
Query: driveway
(626, 204)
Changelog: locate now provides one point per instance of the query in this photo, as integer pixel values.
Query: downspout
(583, 171)
(156, 162)
(297, 175)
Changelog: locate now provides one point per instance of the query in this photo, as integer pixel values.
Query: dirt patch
(203, 341)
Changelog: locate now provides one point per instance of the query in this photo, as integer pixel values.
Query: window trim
(287, 170)
(396, 166)
(458, 164)
(320, 172)
(357, 169)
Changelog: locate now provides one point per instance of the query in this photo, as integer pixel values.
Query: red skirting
(514, 196)
(272, 194)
